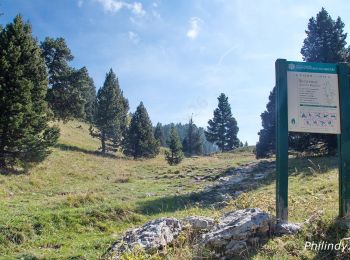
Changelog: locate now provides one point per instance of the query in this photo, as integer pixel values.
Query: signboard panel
(313, 98)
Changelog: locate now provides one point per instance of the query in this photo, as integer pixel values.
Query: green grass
(77, 202)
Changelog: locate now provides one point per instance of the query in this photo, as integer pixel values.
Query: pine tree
(175, 155)
(67, 85)
(267, 140)
(246, 144)
(221, 129)
(25, 135)
(111, 114)
(140, 141)
(159, 134)
(89, 95)
(231, 135)
(192, 144)
(325, 42)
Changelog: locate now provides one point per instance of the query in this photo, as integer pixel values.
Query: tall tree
(267, 140)
(67, 85)
(159, 134)
(25, 135)
(192, 143)
(89, 95)
(231, 135)
(140, 141)
(111, 114)
(175, 154)
(325, 42)
(221, 130)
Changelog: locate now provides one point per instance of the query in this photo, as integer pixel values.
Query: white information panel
(313, 98)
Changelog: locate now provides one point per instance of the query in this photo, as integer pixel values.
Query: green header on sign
(312, 67)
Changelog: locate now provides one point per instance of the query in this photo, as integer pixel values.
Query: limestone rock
(287, 228)
(153, 235)
(237, 228)
(199, 223)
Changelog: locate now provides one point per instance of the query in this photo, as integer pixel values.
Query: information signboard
(313, 98)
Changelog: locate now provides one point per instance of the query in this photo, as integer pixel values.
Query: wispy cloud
(195, 28)
(116, 5)
(134, 37)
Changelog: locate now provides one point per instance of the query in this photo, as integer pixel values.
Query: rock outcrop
(153, 235)
(237, 231)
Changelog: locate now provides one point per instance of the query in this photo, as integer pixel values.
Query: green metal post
(281, 141)
(344, 141)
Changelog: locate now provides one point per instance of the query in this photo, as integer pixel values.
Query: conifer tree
(267, 139)
(325, 42)
(25, 135)
(231, 135)
(221, 129)
(246, 144)
(159, 134)
(111, 114)
(67, 86)
(175, 154)
(192, 143)
(140, 141)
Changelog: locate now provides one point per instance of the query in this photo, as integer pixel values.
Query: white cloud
(116, 5)
(134, 37)
(194, 29)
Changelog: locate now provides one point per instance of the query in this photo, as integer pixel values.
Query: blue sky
(178, 56)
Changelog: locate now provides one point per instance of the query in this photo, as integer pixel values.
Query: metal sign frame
(281, 66)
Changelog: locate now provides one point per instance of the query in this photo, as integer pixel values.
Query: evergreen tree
(159, 134)
(231, 135)
(175, 155)
(140, 141)
(267, 140)
(246, 144)
(221, 129)
(192, 143)
(89, 96)
(111, 114)
(25, 135)
(67, 85)
(325, 42)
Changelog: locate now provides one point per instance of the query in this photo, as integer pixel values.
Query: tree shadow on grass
(216, 196)
(7, 171)
(65, 147)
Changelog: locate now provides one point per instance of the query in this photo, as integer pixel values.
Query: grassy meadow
(77, 202)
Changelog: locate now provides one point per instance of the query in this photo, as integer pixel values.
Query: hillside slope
(77, 202)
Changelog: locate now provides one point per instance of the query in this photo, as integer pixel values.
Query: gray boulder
(236, 231)
(199, 223)
(151, 236)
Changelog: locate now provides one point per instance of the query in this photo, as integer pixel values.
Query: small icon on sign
(293, 121)
(291, 66)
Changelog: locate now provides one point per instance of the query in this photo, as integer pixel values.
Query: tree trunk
(103, 141)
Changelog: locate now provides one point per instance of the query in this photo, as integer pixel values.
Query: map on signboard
(313, 98)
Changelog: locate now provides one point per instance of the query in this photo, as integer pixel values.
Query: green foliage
(192, 143)
(140, 141)
(72, 92)
(267, 139)
(159, 134)
(222, 129)
(24, 132)
(111, 114)
(325, 42)
(175, 155)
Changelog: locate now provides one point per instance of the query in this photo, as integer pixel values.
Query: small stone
(200, 223)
